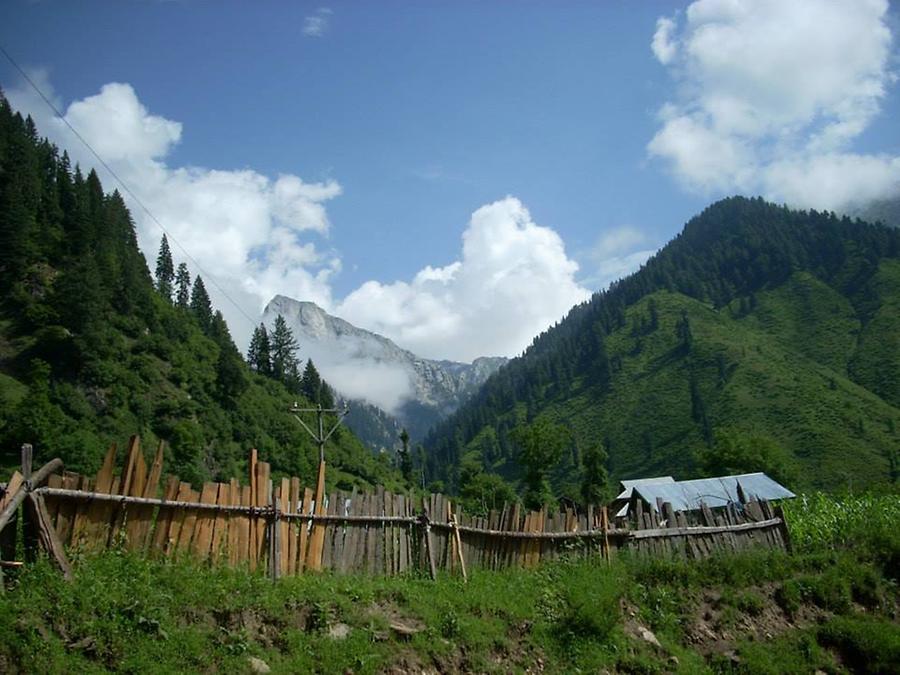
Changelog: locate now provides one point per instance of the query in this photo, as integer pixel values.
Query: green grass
(830, 605)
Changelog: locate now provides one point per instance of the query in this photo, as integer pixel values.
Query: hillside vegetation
(760, 338)
(92, 350)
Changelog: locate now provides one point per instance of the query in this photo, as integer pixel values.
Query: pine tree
(541, 445)
(183, 287)
(230, 378)
(165, 270)
(283, 347)
(259, 354)
(200, 304)
(406, 465)
(684, 334)
(311, 384)
(594, 478)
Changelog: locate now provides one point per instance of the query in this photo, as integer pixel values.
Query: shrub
(865, 644)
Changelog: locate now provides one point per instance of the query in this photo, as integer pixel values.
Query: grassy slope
(832, 605)
(786, 376)
(159, 388)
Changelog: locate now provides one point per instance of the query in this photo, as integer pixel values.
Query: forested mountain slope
(92, 351)
(759, 338)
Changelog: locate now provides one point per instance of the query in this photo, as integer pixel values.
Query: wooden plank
(205, 522)
(293, 540)
(337, 533)
(245, 527)
(261, 495)
(188, 530)
(219, 538)
(327, 557)
(348, 552)
(380, 532)
(131, 515)
(390, 536)
(234, 524)
(47, 533)
(303, 537)
(367, 536)
(93, 529)
(317, 538)
(362, 535)
(67, 508)
(178, 517)
(403, 536)
(284, 496)
(12, 487)
(254, 500)
(159, 535)
(138, 536)
(51, 504)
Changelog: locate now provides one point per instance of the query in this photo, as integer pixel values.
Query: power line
(124, 185)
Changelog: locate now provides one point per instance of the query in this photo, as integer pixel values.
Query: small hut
(688, 495)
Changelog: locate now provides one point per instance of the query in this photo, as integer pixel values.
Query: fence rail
(276, 524)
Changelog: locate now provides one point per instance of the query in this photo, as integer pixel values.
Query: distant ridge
(366, 366)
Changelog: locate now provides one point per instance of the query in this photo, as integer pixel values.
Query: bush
(865, 644)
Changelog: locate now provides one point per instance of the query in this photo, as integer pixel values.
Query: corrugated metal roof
(636, 481)
(626, 485)
(687, 494)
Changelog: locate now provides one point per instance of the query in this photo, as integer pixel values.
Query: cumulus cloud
(663, 46)
(316, 24)
(512, 280)
(247, 230)
(258, 236)
(771, 96)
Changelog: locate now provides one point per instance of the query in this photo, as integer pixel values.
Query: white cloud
(252, 234)
(663, 46)
(316, 23)
(245, 229)
(512, 281)
(617, 253)
(771, 96)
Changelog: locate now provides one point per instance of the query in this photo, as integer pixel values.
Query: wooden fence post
(275, 542)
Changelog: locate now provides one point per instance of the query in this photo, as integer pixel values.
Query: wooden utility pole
(314, 555)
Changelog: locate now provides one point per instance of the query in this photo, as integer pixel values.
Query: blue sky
(400, 120)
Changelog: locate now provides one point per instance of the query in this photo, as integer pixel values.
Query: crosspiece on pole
(321, 436)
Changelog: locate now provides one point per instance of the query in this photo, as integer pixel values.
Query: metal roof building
(687, 495)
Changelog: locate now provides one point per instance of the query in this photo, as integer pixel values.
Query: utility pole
(314, 557)
(321, 436)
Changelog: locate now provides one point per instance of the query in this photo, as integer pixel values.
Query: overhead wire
(125, 186)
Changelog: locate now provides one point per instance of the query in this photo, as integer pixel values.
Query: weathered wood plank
(293, 529)
(160, 535)
(205, 522)
(317, 536)
(66, 512)
(303, 537)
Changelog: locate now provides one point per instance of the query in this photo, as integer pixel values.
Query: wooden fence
(276, 525)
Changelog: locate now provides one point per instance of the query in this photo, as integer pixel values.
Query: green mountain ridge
(92, 351)
(794, 343)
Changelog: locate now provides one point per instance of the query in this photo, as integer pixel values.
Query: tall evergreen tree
(683, 331)
(165, 270)
(406, 465)
(313, 387)
(200, 304)
(541, 445)
(230, 378)
(284, 347)
(594, 478)
(259, 355)
(182, 286)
